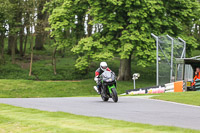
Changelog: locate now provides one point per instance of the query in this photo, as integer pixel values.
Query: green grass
(192, 98)
(22, 120)
(43, 70)
(14, 71)
(29, 88)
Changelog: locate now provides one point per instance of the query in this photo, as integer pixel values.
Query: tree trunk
(2, 37)
(13, 49)
(27, 26)
(13, 28)
(40, 27)
(39, 41)
(54, 61)
(31, 61)
(89, 26)
(12, 40)
(26, 39)
(125, 69)
(9, 44)
(80, 32)
(21, 40)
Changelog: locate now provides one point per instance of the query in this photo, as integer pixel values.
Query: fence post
(172, 56)
(157, 69)
(184, 50)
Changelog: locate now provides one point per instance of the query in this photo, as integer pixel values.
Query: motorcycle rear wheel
(104, 98)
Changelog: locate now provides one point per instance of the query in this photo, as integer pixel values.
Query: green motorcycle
(108, 88)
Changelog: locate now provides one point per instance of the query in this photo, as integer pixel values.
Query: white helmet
(103, 66)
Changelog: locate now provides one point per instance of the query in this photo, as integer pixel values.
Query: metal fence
(167, 49)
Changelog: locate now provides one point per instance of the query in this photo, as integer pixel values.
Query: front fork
(110, 88)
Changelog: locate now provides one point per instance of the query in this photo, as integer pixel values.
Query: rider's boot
(96, 89)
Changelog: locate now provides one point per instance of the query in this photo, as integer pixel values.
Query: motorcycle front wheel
(114, 95)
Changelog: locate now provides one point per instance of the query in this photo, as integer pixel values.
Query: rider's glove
(96, 79)
(112, 72)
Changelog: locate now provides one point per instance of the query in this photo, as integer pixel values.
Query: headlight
(109, 80)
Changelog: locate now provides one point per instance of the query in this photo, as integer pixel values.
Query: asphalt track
(133, 109)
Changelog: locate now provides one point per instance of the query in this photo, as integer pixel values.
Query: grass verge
(10, 88)
(22, 120)
(192, 98)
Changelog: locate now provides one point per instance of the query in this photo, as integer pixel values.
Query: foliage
(120, 28)
(5, 7)
(127, 26)
(66, 18)
(92, 51)
(195, 53)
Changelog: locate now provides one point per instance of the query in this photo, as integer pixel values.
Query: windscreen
(107, 74)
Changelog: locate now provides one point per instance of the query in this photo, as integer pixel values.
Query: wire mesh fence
(164, 54)
(168, 49)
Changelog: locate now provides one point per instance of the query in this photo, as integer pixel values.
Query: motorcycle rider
(103, 67)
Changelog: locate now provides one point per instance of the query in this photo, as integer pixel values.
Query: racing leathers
(98, 72)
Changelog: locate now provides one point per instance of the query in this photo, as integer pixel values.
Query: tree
(67, 18)
(5, 7)
(42, 22)
(32, 25)
(181, 17)
(14, 26)
(196, 28)
(127, 27)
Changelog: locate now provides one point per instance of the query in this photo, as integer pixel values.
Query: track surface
(133, 109)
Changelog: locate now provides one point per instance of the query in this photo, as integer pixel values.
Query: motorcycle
(108, 88)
